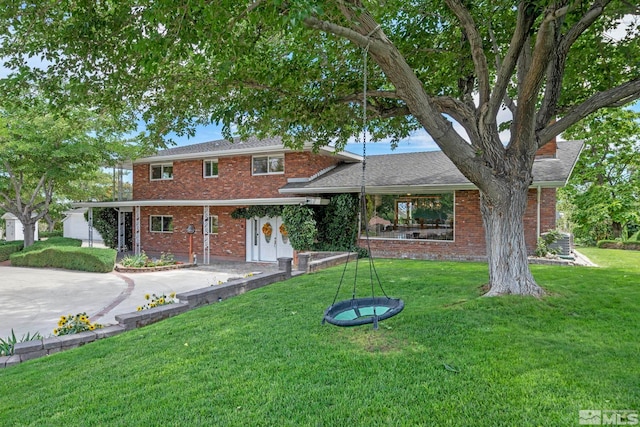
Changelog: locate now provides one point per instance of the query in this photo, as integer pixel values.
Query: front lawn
(450, 358)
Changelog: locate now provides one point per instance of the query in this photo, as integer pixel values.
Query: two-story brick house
(423, 206)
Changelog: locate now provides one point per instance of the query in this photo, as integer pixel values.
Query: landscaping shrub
(7, 248)
(617, 244)
(7, 346)
(50, 234)
(54, 241)
(71, 258)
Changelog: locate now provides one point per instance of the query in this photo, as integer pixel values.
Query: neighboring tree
(42, 153)
(96, 186)
(605, 186)
(295, 68)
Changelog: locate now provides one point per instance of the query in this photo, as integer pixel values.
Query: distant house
(75, 226)
(15, 229)
(424, 207)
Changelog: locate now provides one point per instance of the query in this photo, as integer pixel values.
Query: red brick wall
(469, 240)
(548, 150)
(228, 243)
(234, 180)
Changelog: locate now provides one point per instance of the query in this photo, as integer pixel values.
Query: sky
(418, 141)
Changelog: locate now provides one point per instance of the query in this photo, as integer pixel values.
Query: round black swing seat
(360, 311)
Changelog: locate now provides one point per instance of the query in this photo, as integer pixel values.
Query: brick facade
(229, 243)
(234, 181)
(469, 239)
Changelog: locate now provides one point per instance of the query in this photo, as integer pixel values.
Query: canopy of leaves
(264, 67)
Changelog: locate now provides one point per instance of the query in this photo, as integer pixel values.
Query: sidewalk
(32, 300)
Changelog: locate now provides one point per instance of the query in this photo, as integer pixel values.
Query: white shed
(15, 229)
(76, 227)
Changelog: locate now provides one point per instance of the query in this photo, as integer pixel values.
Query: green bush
(54, 241)
(617, 244)
(635, 237)
(71, 258)
(50, 234)
(7, 248)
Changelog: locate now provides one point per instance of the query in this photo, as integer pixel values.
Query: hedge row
(7, 248)
(68, 257)
(616, 244)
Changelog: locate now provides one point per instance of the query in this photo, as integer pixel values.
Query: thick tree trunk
(503, 216)
(29, 233)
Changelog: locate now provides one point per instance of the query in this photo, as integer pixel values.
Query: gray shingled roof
(430, 170)
(220, 145)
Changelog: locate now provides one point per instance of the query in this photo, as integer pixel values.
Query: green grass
(63, 252)
(450, 358)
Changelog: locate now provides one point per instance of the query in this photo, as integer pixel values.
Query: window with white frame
(161, 171)
(265, 165)
(211, 168)
(161, 224)
(213, 224)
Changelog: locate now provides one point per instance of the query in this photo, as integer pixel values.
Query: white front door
(269, 240)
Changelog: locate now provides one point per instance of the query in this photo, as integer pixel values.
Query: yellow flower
(161, 301)
(63, 319)
(92, 327)
(84, 319)
(172, 294)
(139, 308)
(55, 332)
(153, 304)
(147, 296)
(61, 322)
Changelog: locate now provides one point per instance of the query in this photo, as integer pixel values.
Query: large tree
(295, 68)
(42, 154)
(605, 186)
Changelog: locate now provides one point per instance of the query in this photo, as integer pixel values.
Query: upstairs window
(211, 168)
(161, 224)
(265, 165)
(161, 171)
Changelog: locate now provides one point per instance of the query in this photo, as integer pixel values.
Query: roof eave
(228, 202)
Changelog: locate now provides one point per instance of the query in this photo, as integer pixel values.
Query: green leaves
(605, 186)
(301, 226)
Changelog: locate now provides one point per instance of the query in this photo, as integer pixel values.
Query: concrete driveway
(32, 300)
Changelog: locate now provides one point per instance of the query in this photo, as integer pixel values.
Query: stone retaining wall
(310, 262)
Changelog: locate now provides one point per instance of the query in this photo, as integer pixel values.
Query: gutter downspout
(538, 212)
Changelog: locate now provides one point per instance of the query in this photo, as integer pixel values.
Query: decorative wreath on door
(267, 230)
(284, 233)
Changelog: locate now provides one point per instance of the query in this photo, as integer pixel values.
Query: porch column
(90, 218)
(205, 235)
(136, 214)
(121, 228)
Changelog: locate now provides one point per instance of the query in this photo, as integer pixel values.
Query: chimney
(548, 150)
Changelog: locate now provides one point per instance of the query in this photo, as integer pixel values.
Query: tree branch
(629, 92)
(527, 15)
(477, 52)
(555, 70)
(338, 30)
(528, 96)
(496, 51)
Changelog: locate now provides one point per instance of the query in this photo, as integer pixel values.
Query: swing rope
(363, 200)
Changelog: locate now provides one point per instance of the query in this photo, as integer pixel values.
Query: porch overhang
(214, 202)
